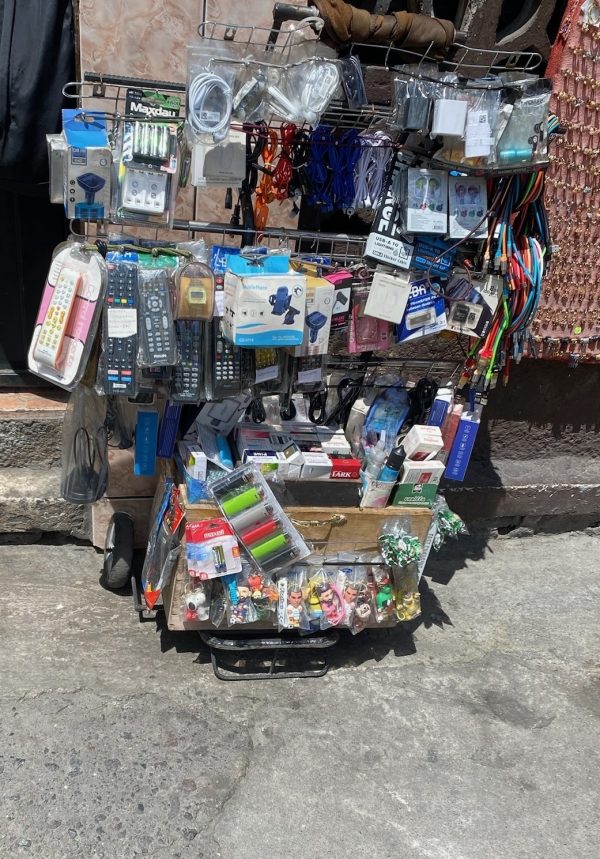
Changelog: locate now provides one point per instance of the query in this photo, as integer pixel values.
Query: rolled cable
(203, 87)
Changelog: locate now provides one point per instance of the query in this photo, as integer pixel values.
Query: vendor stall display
(300, 452)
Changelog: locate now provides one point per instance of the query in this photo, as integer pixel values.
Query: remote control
(226, 381)
(52, 333)
(120, 326)
(145, 191)
(157, 331)
(185, 386)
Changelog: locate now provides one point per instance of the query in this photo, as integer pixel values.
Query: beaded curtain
(567, 324)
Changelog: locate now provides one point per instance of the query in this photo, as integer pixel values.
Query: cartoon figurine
(240, 611)
(331, 603)
(384, 598)
(295, 606)
(196, 607)
(315, 612)
(350, 596)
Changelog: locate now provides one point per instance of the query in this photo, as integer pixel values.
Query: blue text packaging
(425, 313)
(265, 309)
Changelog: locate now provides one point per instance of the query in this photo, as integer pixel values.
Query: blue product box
(462, 447)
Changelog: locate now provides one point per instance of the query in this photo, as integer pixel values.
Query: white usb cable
(203, 120)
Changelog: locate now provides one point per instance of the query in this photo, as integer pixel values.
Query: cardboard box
(422, 442)
(264, 310)
(88, 166)
(345, 468)
(317, 320)
(317, 466)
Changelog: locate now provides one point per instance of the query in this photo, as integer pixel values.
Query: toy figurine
(331, 602)
(315, 612)
(408, 606)
(350, 596)
(196, 607)
(295, 607)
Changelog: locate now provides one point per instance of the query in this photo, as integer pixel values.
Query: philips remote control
(120, 326)
(52, 333)
(157, 331)
(185, 386)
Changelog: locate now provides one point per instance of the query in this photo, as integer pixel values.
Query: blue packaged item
(88, 165)
(219, 255)
(425, 312)
(426, 256)
(462, 446)
(146, 439)
(386, 416)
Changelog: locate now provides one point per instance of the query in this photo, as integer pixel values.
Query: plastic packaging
(250, 507)
(401, 551)
(300, 92)
(163, 543)
(196, 601)
(211, 81)
(353, 82)
(383, 596)
(157, 340)
(212, 549)
(292, 590)
(353, 583)
(68, 316)
(117, 365)
(449, 109)
(365, 333)
(250, 596)
(525, 138)
(412, 102)
(194, 291)
(84, 447)
(323, 585)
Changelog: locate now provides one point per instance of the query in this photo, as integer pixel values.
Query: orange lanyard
(264, 192)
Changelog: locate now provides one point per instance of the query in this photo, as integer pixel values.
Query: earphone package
(426, 201)
(84, 447)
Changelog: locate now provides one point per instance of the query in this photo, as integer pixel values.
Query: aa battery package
(258, 520)
(212, 549)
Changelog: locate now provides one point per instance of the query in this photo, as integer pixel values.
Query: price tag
(308, 377)
(266, 374)
(122, 321)
(219, 302)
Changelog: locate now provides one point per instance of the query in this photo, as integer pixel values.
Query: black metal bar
(120, 80)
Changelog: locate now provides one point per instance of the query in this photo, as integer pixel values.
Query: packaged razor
(258, 520)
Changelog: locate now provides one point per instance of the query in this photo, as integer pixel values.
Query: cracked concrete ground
(477, 735)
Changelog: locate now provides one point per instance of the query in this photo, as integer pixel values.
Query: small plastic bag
(353, 583)
(412, 103)
(211, 82)
(163, 543)
(402, 552)
(450, 108)
(238, 595)
(525, 137)
(196, 602)
(323, 585)
(353, 82)
(382, 592)
(292, 590)
(84, 447)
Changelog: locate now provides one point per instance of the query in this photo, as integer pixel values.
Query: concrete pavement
(476, 736)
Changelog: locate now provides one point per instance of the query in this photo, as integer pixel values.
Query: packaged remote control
(117, 369)
(68, 317)
(185, 384)
(263, 529)
(223, 362)
(158, 345)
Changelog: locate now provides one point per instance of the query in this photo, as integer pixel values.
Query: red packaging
(345, 468)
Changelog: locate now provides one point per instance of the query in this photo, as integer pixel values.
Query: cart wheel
(118, 552)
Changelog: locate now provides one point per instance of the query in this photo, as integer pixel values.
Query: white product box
(317, 320)
(194, 459)
(429, 472)
(317, 466)
(264, 310)
(422, 442)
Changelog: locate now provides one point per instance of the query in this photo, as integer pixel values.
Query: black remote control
(227, 366)
(120, 351)
(156, 324)
(185, 386)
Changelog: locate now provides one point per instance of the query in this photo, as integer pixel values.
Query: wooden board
(355, 530)
(122, 482)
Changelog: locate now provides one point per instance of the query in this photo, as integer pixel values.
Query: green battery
(269, 547)
(239, 503)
